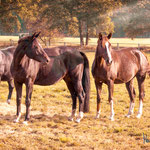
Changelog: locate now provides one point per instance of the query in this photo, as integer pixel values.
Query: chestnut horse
(57, 63)
(6, 57)
(116, 67)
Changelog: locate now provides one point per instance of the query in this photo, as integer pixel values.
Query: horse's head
(32, 48)
(104, 48)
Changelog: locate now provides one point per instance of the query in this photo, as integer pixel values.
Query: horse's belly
(50, 78)
(117, 81)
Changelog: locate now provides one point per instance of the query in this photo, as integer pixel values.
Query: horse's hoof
(97, 116)
(16, 121)
(128, 116)
(25, 122)
(8, 101)
(78, 120)
(111, 118)
(70, 118)
(138, 116)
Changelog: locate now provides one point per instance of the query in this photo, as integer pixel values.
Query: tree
(139, 24)
(15, 14)
(70, 17)
(77, 17)
(8, 20)
(91, 15)
(133, 18)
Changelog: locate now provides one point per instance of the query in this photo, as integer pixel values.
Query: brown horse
(6, 57)
(58, 63)
(119, 66)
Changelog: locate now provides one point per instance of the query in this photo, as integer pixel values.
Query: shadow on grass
(35, 118)
(42, 117)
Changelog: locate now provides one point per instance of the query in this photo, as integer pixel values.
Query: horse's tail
(86, 82)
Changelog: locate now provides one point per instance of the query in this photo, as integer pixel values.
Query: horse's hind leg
(141, 80)
(98, 90)
(74, 98)
(18, 87)
(76, 78)
(81, 96)
(131, 91)
(11, 87)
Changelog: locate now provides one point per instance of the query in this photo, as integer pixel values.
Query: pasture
(49, 128)
(121, 42)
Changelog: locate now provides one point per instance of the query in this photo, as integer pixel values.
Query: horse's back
(127, 62)
(55, 51)
(64, 61)
(133, 55)
(131, 61)
(6, 57)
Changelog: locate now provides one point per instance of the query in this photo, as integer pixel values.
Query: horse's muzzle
(108, 62)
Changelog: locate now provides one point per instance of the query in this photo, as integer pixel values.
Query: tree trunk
(49, 41)
(87, 35)
(81, 32)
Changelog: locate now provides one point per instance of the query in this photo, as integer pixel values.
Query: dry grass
(72, 41)
(50, 129)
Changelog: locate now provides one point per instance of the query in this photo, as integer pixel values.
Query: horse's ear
(109, 36)
(35, 35)
(100, 36)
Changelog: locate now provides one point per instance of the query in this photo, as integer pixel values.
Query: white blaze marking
(108, 51)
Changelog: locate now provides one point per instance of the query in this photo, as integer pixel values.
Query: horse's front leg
(81, 95)
(141, 80)
(18, 87)
(11, 87)
(29, 88)
(110, 98)
(98, 90)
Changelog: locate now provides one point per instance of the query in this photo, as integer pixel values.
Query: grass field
(50, 129)
(123, 42)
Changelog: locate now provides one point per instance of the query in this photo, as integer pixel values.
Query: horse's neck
(18, 56)
(99, 62)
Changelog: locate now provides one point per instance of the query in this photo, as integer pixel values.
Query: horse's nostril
(108, 62)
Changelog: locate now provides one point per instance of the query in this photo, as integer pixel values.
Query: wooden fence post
(138, 46)
(117, 45)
